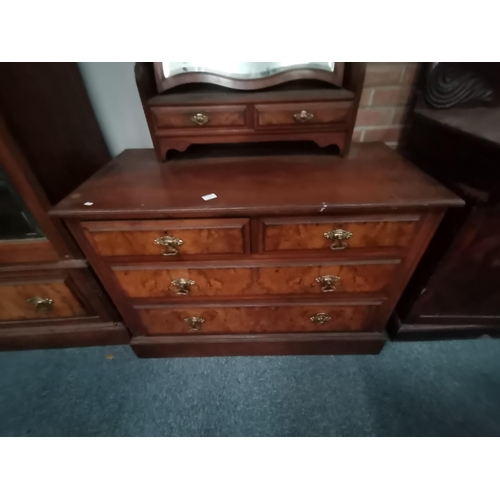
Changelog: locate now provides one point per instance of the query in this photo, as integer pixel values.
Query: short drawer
(301, 114)
(255, 279)
(283, 318)
(25, 300)
(199, 117)
(168, 239)
(337, 234)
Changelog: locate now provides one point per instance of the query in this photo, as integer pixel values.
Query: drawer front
(199, 117)
(24, 300)
(336, 234)
(252, 281)
(301, 114)
(256, 319)
(168, 239)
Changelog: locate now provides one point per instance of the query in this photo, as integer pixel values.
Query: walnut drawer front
(336, 234)
(284, 318)
(199, 117)
(301, 114)
(168, 239)
(255, 279)
(38, 300)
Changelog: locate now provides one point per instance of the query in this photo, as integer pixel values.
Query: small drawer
(168, 239)
(256, 279)
(301, 114)
(337, 234)
(25, 300)
(283, 318)
(199, 117)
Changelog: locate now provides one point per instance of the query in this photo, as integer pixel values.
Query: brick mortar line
(403, 64)
(390, 87)
(377, 127)
(387, 106)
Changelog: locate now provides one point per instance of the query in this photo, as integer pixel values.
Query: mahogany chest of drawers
(295, 255)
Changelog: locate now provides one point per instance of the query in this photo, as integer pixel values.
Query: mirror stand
(289, 104)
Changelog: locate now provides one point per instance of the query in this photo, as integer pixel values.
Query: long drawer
(219, 279)
(337, 233)
(282, 318)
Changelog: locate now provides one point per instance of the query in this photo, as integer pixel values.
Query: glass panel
(244, 70)
(16, 223)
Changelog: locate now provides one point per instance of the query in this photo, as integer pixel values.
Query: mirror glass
(243, 70)
(16, 222)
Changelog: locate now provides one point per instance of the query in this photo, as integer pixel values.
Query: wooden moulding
(64, 335)
(258, 345)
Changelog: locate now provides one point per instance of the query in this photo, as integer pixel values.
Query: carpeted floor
(410, 389)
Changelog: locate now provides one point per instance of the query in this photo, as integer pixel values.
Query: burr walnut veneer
(297, 254)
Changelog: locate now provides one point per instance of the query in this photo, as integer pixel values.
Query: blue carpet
(410, 389)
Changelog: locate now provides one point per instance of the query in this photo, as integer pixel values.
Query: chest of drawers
(295, 255)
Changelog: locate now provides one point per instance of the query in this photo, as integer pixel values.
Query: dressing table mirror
(245, 75)
(189, 103)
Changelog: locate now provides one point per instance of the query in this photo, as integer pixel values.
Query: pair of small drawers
(271, 275)
(251, 116)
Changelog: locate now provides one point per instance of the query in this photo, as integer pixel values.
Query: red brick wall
(387, 90)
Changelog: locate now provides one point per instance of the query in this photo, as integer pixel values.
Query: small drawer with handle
(243, 318)
(301, 114)
(217, 279)
(337, 234)
(168, 240)
(38, 300)
(199, 117)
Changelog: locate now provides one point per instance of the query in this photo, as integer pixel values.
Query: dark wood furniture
(455, 291)
(49, 143)
(304, 110)
(297, 254)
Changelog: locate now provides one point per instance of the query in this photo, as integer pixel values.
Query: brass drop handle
(337, 236)
(194, 323)
(41, 305)
(321, 318)
(303, 116)
(199, 119)
(327, 282)
(170, 243)
(181, 286)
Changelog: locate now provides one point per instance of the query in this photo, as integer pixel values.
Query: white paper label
(210, 196)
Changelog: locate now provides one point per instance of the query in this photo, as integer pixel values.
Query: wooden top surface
(136, 185)
(482, 122)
